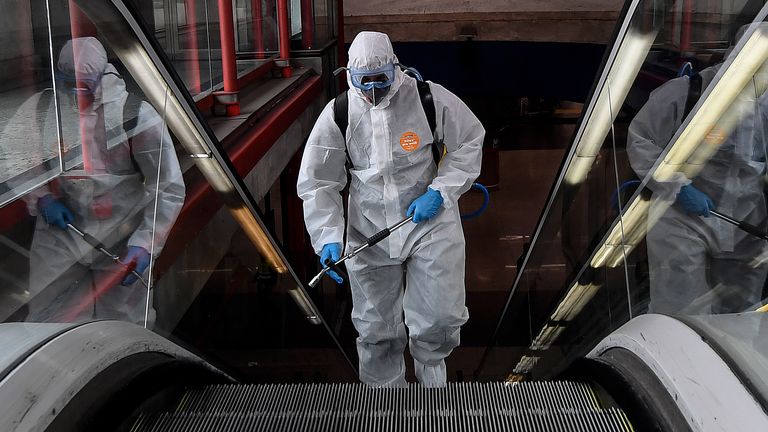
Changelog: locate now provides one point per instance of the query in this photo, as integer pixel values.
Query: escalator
(553, 406)
(110, 375)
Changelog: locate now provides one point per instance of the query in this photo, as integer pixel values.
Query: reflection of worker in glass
(127, 194)
(698, 263)
(393, 174)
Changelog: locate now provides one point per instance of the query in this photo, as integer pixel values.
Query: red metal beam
(260, 72)
(102, 283)
(247, 149)
(228, 56)
(206, 103)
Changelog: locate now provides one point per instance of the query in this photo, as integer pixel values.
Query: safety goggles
(85, 85)
(380, 78)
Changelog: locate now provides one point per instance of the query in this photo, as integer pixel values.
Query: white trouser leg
(434, 301)
(377, 297)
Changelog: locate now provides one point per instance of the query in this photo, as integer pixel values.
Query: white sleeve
(652, 129)
(322, 177)
(462, 134)
(152, 148)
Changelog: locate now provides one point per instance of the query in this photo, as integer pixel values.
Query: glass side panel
(81, 243)
(324, 21)
(189, 32)
(674, 130)
(31, 84)
(256, 28)
(267, 10)
(193, 46)
(145, 224)
(313, 22)
(183, 30)
(294, 7)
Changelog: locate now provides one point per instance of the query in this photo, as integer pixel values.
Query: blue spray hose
(486, 199)
(616, 195)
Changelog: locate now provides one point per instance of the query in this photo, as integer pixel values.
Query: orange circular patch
(409, 141)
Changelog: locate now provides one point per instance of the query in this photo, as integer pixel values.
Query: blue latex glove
(426, 206)
(331, 251)
(695, 201)
(136, 258)
(54, 212)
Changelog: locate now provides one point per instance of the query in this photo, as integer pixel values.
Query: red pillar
(228, 58)
(194, 52)
(284, 30)
(80, 24)
(685, 28)
(92, 143)
(307, 24)
(257, 13)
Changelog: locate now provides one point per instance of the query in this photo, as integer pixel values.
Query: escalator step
(246, 398)
(529, 406)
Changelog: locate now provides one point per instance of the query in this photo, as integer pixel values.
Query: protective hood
(86, 59)
(761, 27)
(371, 51)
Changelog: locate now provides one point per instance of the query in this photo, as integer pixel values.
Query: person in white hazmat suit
(698, 263)
(128, 199)
(393, 174)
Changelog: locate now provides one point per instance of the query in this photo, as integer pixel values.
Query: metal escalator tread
(526, 406)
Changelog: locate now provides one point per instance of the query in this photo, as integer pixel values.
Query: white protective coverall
(142, 184)
(703, 264)
(390, 169)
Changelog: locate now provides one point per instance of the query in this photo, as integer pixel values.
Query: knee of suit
(438, 332)
(439, 322)
(373, 332)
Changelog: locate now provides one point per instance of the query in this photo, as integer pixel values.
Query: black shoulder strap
(428, 104)
(131, 114)
(341, 113)
(131, 109)
(694, 93)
